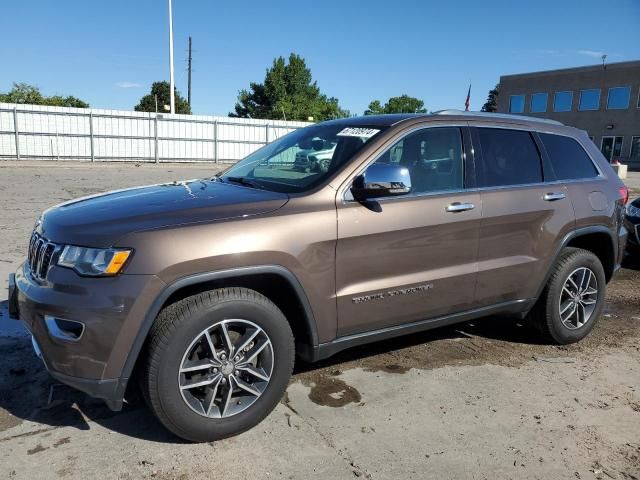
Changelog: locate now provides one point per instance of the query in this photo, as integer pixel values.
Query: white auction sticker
(358, 132)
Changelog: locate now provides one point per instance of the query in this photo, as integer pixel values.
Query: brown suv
(202, 292)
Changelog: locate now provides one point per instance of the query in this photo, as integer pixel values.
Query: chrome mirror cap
(382, 180)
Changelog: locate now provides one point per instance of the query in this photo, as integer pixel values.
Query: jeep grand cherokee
(202, 292)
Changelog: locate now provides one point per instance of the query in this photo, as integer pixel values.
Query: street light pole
(171, 78)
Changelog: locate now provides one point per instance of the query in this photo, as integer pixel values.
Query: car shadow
(28, 393)
(499, 328)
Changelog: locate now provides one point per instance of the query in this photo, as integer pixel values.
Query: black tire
(175, 329)
(545, 315)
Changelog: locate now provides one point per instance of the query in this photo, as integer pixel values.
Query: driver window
(434, 159)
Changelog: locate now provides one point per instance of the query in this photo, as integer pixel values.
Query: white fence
(32, 132)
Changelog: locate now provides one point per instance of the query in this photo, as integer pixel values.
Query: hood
(100, 220)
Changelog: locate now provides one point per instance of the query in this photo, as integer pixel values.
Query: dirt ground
(483, 399)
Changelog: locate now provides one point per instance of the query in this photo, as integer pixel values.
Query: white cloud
(592, 53)
(125, 84)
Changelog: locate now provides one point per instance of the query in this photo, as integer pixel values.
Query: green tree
(491, 105)
(162, 91)
(288, 91)
(29, 94)
(401, 104)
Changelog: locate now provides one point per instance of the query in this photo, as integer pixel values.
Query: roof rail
(506, 116)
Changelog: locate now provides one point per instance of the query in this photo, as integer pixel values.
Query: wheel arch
(274, 281)
(597, 239)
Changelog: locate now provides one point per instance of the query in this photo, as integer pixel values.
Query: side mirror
(381, 180)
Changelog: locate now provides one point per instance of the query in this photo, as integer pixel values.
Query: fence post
(93, 157)
(155, 128)
(16, 131)
(266, 133)
(215, 141)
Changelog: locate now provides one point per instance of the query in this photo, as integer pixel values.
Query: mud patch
(331, 391)
(62, 441)
(37, 449)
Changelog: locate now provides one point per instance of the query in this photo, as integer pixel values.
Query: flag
(466, 102)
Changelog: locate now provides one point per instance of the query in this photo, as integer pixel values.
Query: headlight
(94, 262)
(633, 211)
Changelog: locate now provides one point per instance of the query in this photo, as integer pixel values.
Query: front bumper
(111, 310)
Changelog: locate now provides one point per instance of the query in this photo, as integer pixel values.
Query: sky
(109, 52)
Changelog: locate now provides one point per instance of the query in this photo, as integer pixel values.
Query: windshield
(301, 159)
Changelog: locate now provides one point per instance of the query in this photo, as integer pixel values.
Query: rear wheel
(218, 363)
(573, 298)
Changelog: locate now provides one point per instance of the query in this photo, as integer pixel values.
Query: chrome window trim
(555, 94)
(344, 188)
(580, 109)
(609, 96)
(599, 178)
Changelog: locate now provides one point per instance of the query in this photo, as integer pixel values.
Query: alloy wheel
(226, 368)
(578, 298)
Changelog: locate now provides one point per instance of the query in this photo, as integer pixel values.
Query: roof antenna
(604, 58)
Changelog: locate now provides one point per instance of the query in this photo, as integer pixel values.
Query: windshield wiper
(245, 181)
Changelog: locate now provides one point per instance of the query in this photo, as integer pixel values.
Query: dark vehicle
(201, 293)
(632, 223)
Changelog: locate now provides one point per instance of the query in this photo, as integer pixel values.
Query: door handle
(456, 207)
(553, 196)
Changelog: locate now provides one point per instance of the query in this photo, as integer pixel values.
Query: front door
(413, 257)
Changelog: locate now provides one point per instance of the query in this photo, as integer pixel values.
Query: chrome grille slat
(40, 254)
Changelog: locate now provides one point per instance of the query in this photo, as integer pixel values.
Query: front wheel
(218, 363)
(573, 298)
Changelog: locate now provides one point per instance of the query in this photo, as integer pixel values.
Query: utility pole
(172, 84)
(189, 76)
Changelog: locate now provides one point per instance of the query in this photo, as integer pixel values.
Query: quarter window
(516, 104)
(509, 157)
(590, 99)
(433, 157)
(618, 98)
(562, 101)
(539, 102)
(568, 158)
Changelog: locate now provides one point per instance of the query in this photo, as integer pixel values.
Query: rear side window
(509, 157)
(568, 158)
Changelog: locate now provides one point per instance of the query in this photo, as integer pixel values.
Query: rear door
(523, 218)
(412, 257)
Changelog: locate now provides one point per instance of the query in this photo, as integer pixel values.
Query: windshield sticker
(358, 132)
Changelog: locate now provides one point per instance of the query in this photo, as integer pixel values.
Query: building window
(618, 98)
(611, 147)
(589, 99)
(562, 101)
(516, 104)
(635, 150)
(539, 102)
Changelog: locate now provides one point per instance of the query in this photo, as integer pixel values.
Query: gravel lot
(478, 400)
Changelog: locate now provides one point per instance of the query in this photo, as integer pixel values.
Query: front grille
(39, 255)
